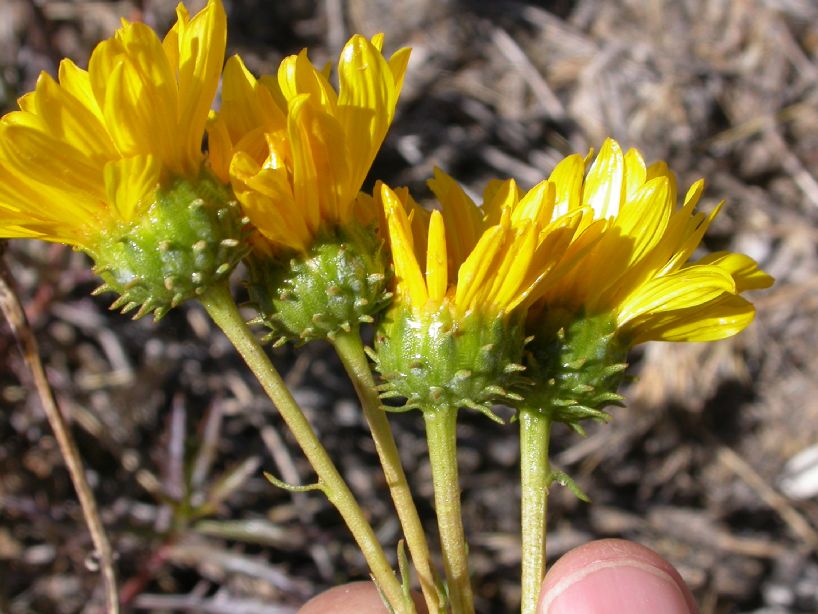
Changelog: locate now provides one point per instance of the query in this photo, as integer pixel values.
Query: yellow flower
(110, 160)
(85, 153)
(630, 256)
(626, 280)
(485, 260)
(463, 276)
(297, 151)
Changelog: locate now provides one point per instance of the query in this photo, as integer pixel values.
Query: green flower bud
(433, 359)
(576, 365)
(338, 283)
(189, 238)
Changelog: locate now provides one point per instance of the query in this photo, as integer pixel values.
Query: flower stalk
(351, 352)
(535, 430)
(441, 437)
(223, 310)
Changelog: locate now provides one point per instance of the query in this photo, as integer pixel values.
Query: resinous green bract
(576, 365)
(191, 236)
(433, 359)
(338, 283)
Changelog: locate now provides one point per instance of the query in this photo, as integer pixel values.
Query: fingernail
(624, 586)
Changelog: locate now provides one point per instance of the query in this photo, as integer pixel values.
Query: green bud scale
(189, 238)
(434, 360)
(337, 284)
(576, 368)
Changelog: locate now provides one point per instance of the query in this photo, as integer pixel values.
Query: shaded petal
(536, 206)
(724, 317)
(319, 169)
(130, 184)
(688, 288)
(247, 104)
(461, 216)
(513, 269)
(478, 268)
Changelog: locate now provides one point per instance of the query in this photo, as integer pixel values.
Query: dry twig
(13, 310)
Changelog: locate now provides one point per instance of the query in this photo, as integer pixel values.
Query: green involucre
(339, 283)
(436, 361)
(190, 237)
(576, 365)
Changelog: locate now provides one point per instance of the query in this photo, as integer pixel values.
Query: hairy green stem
(222, 308)
(441, 437)
(535, 430)
(351, 352)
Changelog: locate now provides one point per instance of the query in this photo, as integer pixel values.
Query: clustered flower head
(110, 160)
(531, 298)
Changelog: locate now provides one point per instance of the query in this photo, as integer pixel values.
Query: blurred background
(714, 462)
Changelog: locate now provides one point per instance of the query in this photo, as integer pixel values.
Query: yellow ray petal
(66, 118)
(436, 262)
(219, 147)
(513, 269)
(687, 288)
(744, 270)
(297, 76)
(130, 184)
(247, 105)
(498, 195)
(77, 82)
(461, 216)
(136, 87)
(267, 199)
(320, 171)
(32, 154)
(568, 176)
(724, 317)
(536, 206)
(635, 172)
(366, 104)
(410, 284)
(603, 188)
(201, 45)
(398, 62)
(478, 268)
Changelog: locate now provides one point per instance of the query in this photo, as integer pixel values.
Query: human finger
(614, 576)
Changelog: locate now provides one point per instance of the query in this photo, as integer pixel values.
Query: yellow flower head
(627, 280)
(485, 259)
(631, 254)
(87, 151)
(463, 274)
(296, 150)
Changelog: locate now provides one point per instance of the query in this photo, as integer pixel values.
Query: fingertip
(352, 598)
(614, 576)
